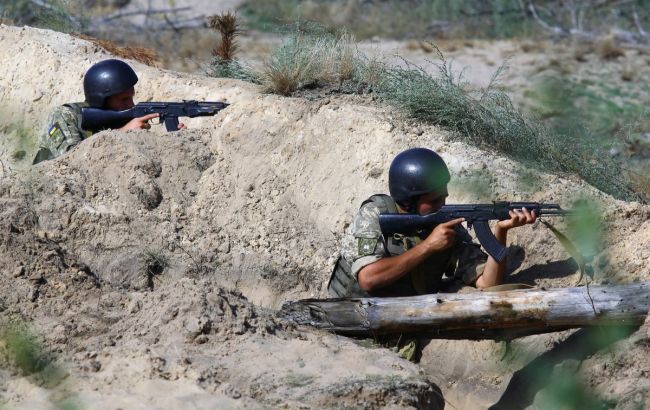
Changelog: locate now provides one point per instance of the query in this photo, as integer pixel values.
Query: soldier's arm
(387, 270)
(62, 132)
(494, 272)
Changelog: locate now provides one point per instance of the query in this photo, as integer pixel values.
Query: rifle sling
(570, 248)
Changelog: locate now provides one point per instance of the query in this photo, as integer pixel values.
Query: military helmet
(415, 172)
(107, 78)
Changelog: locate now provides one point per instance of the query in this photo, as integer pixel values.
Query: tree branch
(553, 29)
(637, 23)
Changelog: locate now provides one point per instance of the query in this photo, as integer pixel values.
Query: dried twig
(228, 26)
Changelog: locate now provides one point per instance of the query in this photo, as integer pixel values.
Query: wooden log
(477, 315)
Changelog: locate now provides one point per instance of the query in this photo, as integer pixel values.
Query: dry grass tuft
(608, 49)
(142, 54)
(309, 59)
(228, 26)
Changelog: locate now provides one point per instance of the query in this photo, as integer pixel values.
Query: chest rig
(342, 282)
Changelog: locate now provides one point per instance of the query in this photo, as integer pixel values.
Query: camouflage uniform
(363, 244)
(63, 131)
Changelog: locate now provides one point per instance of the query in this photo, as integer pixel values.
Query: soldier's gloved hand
(518, 217)
(442, 236)
(140, 123)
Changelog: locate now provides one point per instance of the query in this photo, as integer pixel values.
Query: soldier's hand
(518, 217)
(140, 123)
(442, 236)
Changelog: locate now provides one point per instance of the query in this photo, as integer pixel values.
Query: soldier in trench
(109, 85)
(373, 265)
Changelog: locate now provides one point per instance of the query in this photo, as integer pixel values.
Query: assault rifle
(476, 216)
(96, 119)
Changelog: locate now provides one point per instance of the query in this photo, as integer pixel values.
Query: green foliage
(21, 142)
(585, 227)
(232, 69)
(561, 100)
(440, 18)
(51, 14)
(566, 391)
(24, 351)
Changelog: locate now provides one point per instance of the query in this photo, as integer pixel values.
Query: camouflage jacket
(63, 131)
(364, 244)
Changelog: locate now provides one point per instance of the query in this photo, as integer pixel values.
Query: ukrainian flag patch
(53, 130)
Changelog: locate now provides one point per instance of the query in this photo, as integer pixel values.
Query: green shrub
(25, 352)
(309, 57)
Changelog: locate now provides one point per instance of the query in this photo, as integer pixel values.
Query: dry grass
(142, 54)
(532, 47)
(608, 49)
(415, 45)
(308, 59)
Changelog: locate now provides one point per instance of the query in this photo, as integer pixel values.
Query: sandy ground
(246, 209)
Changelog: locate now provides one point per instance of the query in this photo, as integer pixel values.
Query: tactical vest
(342, 282)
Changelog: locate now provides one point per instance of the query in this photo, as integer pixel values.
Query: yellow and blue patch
(53, 130)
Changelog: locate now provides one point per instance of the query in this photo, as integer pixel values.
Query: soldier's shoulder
(379, 203)
(68, 110)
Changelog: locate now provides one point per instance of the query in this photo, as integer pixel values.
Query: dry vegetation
(142, 54)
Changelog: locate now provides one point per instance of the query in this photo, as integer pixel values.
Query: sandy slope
(247, 208)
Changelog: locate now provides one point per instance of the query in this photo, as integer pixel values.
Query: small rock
(19, 271)
(94, 366)
(200, 339)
